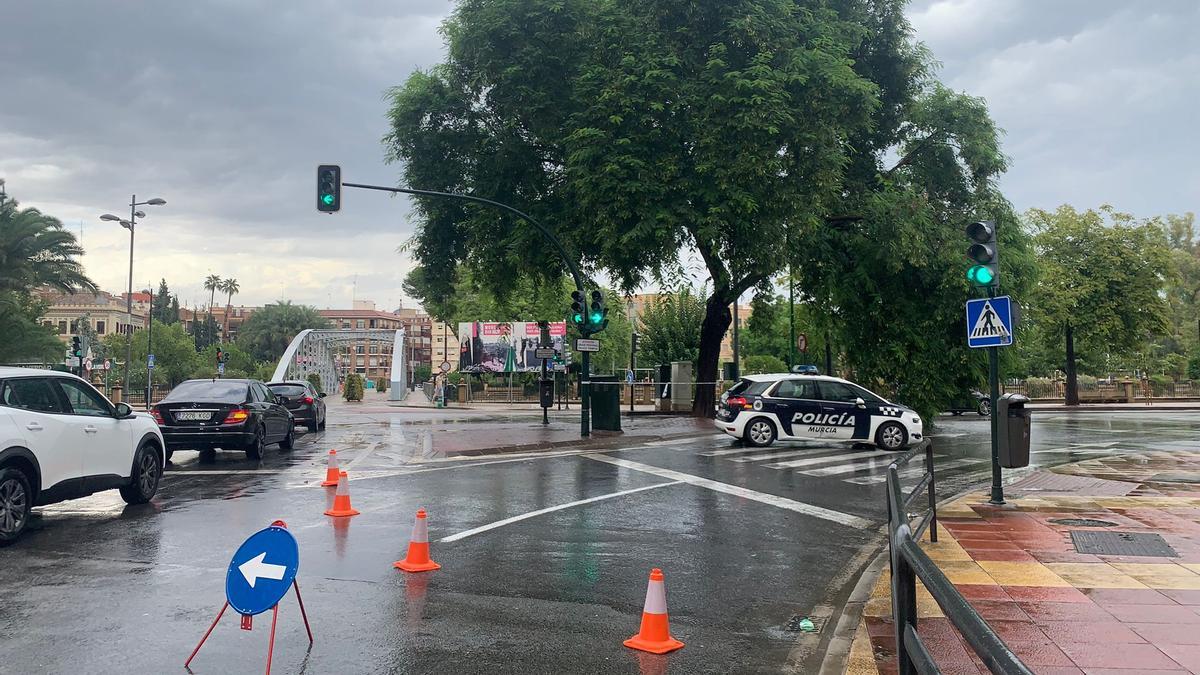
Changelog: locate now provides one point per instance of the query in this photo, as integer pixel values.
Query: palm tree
(230, 288)
(211, 284)
(36, 251)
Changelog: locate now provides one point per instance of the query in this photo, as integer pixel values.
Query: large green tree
(268, 332)
(637, 130)
(1102, 274)
(174, 354)
(166, 305)
(670, 328)
(746, 132)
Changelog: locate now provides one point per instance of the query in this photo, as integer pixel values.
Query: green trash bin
(606, 402)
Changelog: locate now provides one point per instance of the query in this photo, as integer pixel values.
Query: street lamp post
(130, 224)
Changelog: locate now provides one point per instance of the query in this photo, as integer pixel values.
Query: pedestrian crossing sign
(989, 322)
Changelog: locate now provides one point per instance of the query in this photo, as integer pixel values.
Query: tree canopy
(751, 133)
(268, 332)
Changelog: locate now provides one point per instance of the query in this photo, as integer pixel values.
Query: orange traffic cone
(341, 499)
(655, 635)
(331, 470)
(417, 559)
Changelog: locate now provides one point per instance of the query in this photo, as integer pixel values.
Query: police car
(787, 406)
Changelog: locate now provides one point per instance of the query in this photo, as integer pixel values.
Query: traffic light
(985, 253)
(597, 313)
(76, 347)
(577, 308)
(637, 342)
(329, 188)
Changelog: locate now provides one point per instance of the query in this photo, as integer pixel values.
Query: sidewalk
(1060, 610)
(1159, 405)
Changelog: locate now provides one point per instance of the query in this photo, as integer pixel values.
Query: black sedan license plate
(192, 415)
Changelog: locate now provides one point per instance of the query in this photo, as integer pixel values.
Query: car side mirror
(322, 395)
(124, 411)
(860, 403)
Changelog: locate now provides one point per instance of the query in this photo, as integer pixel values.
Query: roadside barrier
(417, 559)
(331, 470)
(654, 636)
(909, 563)
(341, 500)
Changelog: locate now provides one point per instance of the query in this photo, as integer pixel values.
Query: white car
(762, 408)
(61, 439)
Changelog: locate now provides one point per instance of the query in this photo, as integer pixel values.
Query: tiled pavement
(1059, 610)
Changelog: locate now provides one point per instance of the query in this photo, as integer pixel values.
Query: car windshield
(216, 391)
(288, 389)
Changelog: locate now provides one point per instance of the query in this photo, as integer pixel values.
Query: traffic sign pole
(994, 384)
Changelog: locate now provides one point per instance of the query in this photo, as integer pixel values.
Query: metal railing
(910, 563)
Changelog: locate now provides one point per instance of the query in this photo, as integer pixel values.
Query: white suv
(62, 439)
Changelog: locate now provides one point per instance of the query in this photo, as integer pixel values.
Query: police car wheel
(760, 432)
(891, 436)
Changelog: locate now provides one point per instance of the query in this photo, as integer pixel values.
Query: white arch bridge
(315, 351)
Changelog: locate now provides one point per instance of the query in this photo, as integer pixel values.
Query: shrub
(353, 390)
(381, 385)
(757, 364)
(315, 380)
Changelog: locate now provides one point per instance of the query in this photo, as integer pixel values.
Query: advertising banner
(508, 347)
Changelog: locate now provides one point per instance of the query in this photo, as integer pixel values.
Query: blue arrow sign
(989, 322)
(262, 570)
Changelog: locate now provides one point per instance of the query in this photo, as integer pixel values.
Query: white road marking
(823, 460)
(776, 455)
(734, 451)
(216, 472)
(680, 441)
(851, 467)
(738, 491)
(532, 514)
(915, 470)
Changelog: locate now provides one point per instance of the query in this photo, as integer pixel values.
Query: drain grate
(1121, 543)
(1082, 522)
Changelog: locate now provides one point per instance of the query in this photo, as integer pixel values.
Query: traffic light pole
(584, 384)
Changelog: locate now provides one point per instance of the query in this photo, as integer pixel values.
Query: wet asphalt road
(748, 540)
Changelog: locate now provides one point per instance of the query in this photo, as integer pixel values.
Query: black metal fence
(910, 563)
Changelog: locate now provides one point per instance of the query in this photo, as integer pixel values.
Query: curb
(837, 653)
(600, 440)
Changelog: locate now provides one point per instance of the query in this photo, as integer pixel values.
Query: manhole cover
(1121, 543)
(1082, 522)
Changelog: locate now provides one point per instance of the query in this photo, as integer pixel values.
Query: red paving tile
(999, 610)
(1065, 611)
(1183, 597)
(1154, 614)
(1062, 632)
(1018, 631)
(1045, 594)
(1127, 596)
(1167, 633)
(1064, 555)
(988, 545)
(1054, 670)
(1139, 657)
(1039, 653)
(936, 628)
(1187, 656)
(983, 592)
(1134, 671)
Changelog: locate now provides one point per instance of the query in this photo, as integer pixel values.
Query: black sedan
(228, 414)
(303, 401)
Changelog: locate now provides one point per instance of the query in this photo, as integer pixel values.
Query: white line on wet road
(738, 491)
(825, 460)
(533, 514)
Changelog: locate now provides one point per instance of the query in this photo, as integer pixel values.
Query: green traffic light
(327, 199)
(578, 318)
(980, 275)
(597, 317)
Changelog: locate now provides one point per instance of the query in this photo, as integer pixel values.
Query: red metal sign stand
(248, 619)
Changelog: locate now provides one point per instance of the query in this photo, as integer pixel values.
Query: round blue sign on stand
(262, 570)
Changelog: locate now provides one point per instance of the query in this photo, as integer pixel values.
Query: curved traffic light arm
(480, 200)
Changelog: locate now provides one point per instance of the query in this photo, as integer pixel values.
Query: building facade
(445, 345)
(105, 313)
(369, 359)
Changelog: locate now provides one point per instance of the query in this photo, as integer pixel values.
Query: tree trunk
(1072, 380)
(712, 331)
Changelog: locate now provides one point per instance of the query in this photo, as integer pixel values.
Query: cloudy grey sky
(225, 107)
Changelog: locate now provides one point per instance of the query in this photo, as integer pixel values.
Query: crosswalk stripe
(734, 451)
(860, 465)
(821, 460)
(914, 470)
(778, 455)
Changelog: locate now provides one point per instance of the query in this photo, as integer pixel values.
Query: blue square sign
(989, 322)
